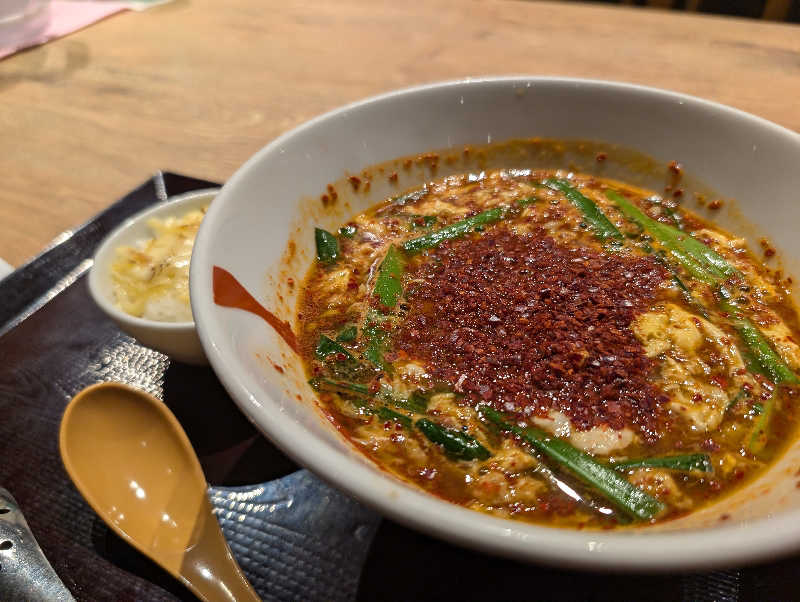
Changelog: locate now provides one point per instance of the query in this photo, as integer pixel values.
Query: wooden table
(198, 86)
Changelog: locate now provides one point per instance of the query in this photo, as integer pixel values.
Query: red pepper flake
(710, 445)
(715, 204)
(393, 176)
(355, 182)
(720, 380)
(332, 192)
(725, 517)
(326, 200)
(677, 193)
(290, 282)
(556, 319)
(600, 157)
(675, 167)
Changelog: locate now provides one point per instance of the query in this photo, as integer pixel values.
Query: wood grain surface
(197, 86)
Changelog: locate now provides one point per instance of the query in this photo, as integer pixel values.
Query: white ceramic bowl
(274, 197)
(176, 339)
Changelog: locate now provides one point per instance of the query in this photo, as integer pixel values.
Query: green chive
(377, 339)
(327, 246)
(684, 462)
(456, 444)
(347, 334)
(327, 346)
(389, 282)
(418, 401)
(700, 261)
(600, 224)
(757, 344)
(334, 386)
(454, 230)
(606, 481)
(385, 413)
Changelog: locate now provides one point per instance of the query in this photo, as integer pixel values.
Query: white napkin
(61, 17)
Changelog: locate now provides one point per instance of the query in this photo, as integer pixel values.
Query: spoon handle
(25, 573)
(208, 567)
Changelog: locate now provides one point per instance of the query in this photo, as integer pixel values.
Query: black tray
(54, 341)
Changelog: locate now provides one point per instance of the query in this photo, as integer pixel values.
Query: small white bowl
(178, 340)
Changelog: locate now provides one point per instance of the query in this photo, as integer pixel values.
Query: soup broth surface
(551, 347)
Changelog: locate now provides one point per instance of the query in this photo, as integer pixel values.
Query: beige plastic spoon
(129, 457)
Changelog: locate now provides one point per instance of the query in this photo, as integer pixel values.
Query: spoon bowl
(133, 463)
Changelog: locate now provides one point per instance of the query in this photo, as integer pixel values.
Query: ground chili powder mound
(527, 325)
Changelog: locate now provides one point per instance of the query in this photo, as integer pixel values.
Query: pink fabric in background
(64, 18)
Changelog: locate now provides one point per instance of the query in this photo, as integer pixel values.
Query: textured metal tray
(295, 537)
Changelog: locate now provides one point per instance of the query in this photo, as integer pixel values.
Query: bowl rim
(110, 243)
(632, 550)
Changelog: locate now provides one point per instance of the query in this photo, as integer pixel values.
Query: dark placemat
(49, 354)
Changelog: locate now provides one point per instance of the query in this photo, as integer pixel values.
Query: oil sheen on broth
(500, 339)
